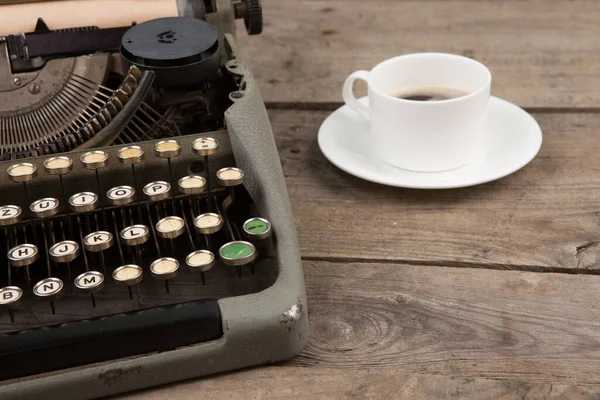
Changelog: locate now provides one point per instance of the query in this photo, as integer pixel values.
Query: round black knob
(253, 18)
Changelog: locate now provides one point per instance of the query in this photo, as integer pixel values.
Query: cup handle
(348, 93)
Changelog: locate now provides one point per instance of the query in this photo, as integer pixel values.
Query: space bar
(78, 343)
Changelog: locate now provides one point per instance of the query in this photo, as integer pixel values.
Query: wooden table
(480, 292)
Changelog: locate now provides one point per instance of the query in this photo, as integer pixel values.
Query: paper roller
(17, 16)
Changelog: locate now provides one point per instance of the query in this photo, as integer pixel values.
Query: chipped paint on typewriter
(144, 217)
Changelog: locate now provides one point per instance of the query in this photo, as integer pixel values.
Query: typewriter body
(145, 225)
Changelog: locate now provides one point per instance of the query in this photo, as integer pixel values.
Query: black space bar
(122, 335)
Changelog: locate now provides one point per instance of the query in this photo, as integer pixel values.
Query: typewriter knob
(159, 190)
(131, 155)
(83, 202)
(121, 195)
(205, 146)
(251, 11)
(135, 235)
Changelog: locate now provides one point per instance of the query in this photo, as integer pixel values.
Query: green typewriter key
(23, 255)
(121, 195)
(44, 208)
(64, 252)
(257, 228)
(164, 268)
(90, 281)
(10, 215)
(238, 253)
(200, 260)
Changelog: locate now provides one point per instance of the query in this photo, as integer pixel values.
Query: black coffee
(430, 93)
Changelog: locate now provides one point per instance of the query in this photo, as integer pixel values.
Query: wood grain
(542, 53)
(542, 218)
(287, 382)
(397, 331)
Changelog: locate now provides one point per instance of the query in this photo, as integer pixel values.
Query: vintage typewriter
(144, 220)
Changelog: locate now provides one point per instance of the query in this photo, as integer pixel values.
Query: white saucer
(513, 140)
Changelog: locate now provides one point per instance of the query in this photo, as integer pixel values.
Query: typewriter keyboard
(94, 235)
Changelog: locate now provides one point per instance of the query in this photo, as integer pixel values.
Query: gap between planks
(331, 106)
(455, 264)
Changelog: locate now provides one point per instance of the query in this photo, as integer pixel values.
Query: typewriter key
(58, 165)
(205, 146)
(135, 234)
(200, 260)
(230, 176)
(130, 155)
(90, 281)
(158, 190)
(128, 275)
(10, 215)
(237, 253)
(23, 172)
(94, 159)
(49, 287)
(170, 227)
(23, 255)
(64, 252)
(10, 296)
(164, 268)
(98, 241)
(208, 223)
(167, 149)
(192, 184)
(83, 202)
(257, 228)
(121, 195)
(44, 208)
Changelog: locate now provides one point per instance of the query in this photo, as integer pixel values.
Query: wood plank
(287, 382)
(542, 53)
(544, 217)
(377, 330)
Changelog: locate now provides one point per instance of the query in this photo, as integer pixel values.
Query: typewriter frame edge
(259, 328)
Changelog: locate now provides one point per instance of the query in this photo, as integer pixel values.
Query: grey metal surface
(259, 328)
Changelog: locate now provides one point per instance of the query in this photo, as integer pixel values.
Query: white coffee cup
(424, 136)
